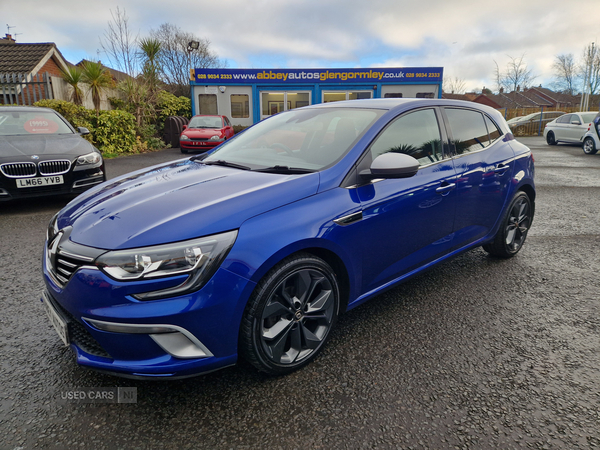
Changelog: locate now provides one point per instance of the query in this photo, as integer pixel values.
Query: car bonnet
(175, 202)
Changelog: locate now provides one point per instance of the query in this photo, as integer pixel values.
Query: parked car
(204, 133)
(254, 249)
(513, 120)
(41, 154)
(568, 128)
(590, 142)
(530, 123)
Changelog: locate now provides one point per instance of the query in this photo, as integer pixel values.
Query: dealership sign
(278, 76)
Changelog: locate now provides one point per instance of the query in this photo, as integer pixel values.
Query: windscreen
(15, 123)
(311, 139)
(206, 122)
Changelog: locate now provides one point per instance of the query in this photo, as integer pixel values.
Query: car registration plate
(59, 324)
(39, 181)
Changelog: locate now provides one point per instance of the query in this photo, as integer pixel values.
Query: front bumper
(111, 331)
(75, 182)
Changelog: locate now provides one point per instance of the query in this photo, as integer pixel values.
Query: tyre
(589, 146)
(290, 315)
(183, 150)
(550, 139)
(513, 229)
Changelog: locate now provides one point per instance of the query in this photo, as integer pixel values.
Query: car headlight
(184, 137)
(216, 137)
(198, 258)
(90, 158)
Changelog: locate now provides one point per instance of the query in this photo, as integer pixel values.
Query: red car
(204, 133)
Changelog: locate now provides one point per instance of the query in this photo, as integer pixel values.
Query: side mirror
(83, 131)
(392, 165)
(184, 128)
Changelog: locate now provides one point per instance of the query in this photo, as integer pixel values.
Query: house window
(240, 106)
(207, 104)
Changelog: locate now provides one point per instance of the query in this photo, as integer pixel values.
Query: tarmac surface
(476, 353)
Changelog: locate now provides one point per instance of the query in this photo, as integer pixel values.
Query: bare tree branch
(589, 70)
(176, 60)
(119, 44)
(565, 73)
(454, 85)
(516, 76)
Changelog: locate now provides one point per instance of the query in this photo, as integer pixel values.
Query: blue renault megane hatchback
(254, 249)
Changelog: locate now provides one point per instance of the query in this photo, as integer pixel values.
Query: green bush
(114, 131)
(77, 116)
(171, 105)
(111, 132)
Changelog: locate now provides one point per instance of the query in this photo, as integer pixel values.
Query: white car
(591, 142)
(568, 128)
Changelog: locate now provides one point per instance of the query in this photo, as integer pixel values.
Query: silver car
(568, 128)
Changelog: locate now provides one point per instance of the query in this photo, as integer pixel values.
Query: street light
(192, 45)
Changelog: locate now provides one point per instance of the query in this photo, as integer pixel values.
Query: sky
(465, 37)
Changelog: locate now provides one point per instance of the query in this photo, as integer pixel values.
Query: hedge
(110, 131)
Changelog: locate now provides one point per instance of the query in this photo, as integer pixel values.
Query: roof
(116, 74)
(28, 58)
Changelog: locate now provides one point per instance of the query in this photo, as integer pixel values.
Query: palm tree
(98, 79)
(150, 49)
(73, 76)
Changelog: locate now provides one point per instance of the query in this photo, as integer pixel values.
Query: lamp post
(192, 46)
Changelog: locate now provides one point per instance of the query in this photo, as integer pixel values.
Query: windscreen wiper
(221, 162)
(284, 170)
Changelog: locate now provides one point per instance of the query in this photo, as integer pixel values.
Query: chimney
(7, 40)
(502, 90)
(518, 88)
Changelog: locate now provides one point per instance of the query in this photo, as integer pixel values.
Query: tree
(565, 73)
(176, 59)
(73, 76)
(150, 51)
(98, 79)
(119, 44)
(454, 85)
(516, 76)
(589, 70)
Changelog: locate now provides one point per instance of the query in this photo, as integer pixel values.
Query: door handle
(501, 169)
(445, 188)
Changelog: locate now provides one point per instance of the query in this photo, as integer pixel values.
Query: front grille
(78, 335)
(18, 170)
(198, 140)
(66, 264)
(54, 167)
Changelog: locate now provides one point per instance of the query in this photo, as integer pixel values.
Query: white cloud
(463, 37)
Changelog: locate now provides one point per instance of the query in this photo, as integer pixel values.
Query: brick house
(29, 62)
(40, 65)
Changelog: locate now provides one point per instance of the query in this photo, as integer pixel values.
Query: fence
(21, 89)
(532, 121)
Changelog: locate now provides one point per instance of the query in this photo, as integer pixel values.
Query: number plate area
(39, 181)
(59, 324)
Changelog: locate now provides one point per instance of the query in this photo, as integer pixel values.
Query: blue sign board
(338, 76)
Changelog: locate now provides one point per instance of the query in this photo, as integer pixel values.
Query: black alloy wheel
(513, 231)
(289, 316)
(550, 139)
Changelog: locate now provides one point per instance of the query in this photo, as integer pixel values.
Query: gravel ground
(476, 353)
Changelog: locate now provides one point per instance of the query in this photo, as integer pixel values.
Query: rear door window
(468, 129)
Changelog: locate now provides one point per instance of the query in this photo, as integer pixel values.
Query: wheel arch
(530, 191)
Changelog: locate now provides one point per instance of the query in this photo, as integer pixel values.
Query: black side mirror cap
(83, 131)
